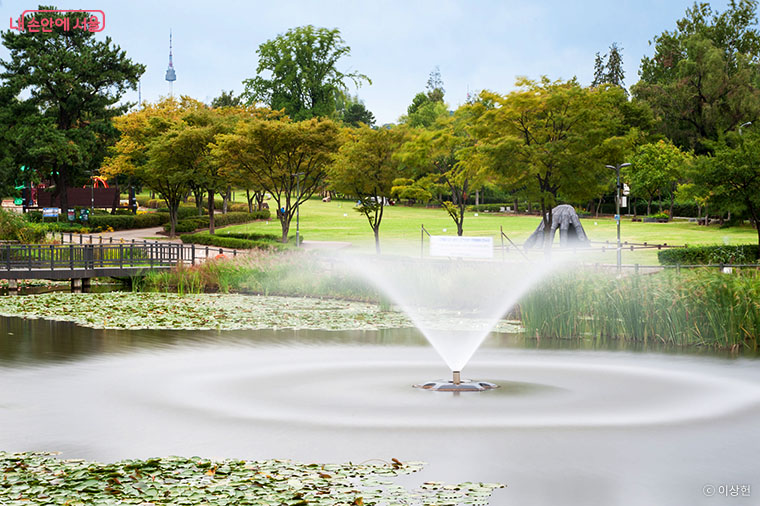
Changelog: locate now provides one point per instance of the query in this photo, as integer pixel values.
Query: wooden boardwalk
(85, 261)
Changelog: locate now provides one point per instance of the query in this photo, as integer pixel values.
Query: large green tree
(156, 148)
(656, 168)
(288, 159)
(733, 175)
(702, 80)
(365, 167)
(547, 137)
(70, 85)
(298, 72)
(441, 162)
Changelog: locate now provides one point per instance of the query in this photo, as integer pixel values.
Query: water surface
(573, 423)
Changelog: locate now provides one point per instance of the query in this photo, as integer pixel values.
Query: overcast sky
(476, 43)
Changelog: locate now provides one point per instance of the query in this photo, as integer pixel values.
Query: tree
(72, 84)
(440, 163)
(351, 110)
(611, 71)
(227, 99)
(287, 159)
(435, 91)
(702, 80)
(302, 75)
(365, 167)
(427, 107)
(156, 148)
(615, 74)
(656, 167)
(188, 146)
(357, 114)
(599, 73)
(733, 175)
(546, 137)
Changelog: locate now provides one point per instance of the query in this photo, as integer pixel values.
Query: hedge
(225, 241)
(491, 208)
(685, 210)
(126, 221)
(192, 223)
(701, 255)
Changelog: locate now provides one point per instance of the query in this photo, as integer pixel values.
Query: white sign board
(461, 247)
(51, 212)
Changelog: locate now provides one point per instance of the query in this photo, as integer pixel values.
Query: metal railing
(93, 256)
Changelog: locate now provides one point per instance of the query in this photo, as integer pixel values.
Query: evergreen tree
(434, 86)
(614, 73)
(608, 68)
(599, 75)
(69, 85)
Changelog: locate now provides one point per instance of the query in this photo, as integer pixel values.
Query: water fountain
(455, 303)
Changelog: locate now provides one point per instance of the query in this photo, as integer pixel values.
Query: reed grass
(266, 273)
(688, 308)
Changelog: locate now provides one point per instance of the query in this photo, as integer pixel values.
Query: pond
(572, 424)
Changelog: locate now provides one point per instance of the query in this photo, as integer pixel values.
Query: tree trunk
(659, 201)
(598, 206)
(376, 230)
(285, 229)
(249, 199)
(211, 211)
(477, 198)
(517, 206)
(226, 199)
(649, 206)
(199, 200)
(173, 207)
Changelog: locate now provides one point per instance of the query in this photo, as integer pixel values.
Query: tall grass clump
(263, 272)
(700, 307)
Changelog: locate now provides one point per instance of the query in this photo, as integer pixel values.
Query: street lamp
(617, 168)
(298, 208)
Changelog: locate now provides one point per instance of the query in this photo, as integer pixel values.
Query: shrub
(182, 212)
(33, 216)
(225, 241)
(490, 208)
(700, 255)
(253, 236)
(13, 227)
(192, 223)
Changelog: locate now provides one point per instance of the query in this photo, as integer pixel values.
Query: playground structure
(98, 196)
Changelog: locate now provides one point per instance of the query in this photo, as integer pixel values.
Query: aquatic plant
(701, 307)
(41, 478)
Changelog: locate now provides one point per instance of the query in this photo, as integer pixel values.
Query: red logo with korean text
(95, 22)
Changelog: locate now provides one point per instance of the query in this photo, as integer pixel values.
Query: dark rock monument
(571, 233)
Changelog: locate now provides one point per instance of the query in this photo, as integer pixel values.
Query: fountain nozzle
(457, 378)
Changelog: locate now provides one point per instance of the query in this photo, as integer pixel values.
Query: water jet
(455, 303)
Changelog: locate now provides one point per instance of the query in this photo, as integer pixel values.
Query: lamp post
(298, 208)
(617, 168)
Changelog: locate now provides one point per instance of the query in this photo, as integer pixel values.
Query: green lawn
(400, 229)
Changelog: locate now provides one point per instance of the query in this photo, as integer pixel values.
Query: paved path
(152, 235)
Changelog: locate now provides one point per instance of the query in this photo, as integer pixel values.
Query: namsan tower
(171, 76)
